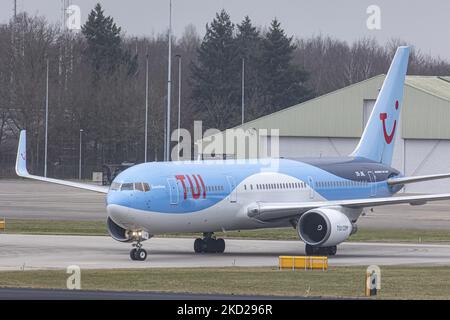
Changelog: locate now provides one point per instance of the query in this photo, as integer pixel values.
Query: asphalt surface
(26, 199)
(34, 252)
(61, 294)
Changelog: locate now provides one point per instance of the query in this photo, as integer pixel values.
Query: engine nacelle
(117, 232)
(324, 227)
(123, 235)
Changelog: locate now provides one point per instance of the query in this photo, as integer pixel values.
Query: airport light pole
(179, 103)
(243, 90)
(169, 83)
(146, 111)
(46, 125)
(79, 161)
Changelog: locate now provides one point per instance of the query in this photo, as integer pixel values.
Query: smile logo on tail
(383, 117)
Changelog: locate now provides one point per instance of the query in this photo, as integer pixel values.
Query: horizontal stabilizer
(405, 180)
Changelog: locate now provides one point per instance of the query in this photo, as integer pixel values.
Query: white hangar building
(331, 125)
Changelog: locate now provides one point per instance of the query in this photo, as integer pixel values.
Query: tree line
(97, 83)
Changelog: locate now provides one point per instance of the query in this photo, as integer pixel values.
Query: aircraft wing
(404, 180)
(265, 211)
(21, 170)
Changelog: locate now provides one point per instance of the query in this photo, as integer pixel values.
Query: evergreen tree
(283, 82)
(215, 76)
(104, 43)
(111, 72)
(249, 41)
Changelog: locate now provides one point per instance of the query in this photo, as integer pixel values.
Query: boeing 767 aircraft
(322, 198)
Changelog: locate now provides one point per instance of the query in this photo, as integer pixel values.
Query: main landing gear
(324, 251)
(138, 253)
(209, 244)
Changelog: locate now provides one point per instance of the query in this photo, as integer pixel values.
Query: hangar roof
(425, 112)
(437, 86)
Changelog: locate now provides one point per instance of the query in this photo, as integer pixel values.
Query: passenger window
(126, 187)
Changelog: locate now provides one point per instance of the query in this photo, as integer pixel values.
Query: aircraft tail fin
(377, 141)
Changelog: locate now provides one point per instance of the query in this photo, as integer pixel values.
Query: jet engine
(117, 232)
(324, 227)
(123, 235)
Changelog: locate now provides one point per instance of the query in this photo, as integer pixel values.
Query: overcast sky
(423, 23)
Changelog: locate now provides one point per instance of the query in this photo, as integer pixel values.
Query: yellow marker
(303, 262)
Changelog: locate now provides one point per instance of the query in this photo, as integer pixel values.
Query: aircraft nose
(118, 198)
(117, 207)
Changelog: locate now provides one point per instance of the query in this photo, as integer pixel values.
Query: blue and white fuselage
(209, 196)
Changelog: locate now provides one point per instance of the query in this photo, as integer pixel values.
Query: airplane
(322, 198)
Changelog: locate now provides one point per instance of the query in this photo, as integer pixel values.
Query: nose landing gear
(138, 253)
(209, 244)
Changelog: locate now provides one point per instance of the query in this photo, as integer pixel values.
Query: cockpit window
(138, 186)
(126, 187)
(115, 186)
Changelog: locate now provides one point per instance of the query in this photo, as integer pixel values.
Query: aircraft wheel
(133, 254)
(141, 255)
(198, 245)
(332, 250)
(309, 250)
(210, 245)
(220, 245)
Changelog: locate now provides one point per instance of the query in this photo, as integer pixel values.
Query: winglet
(21, 159)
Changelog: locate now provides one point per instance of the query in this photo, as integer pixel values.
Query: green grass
(61, 227)
(66, 227)
(396, 282)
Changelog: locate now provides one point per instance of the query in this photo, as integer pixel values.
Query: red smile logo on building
(383, 116)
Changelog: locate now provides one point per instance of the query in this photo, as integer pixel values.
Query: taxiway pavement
(33, 252)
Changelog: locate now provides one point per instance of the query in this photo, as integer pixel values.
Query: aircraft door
(233, 189)
(173, 191)
(311, 185)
